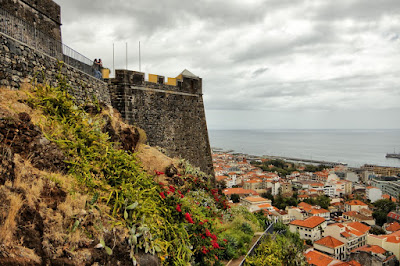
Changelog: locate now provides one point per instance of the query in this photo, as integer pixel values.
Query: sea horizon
(355, 147)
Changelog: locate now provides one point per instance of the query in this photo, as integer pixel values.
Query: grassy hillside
(79, 187)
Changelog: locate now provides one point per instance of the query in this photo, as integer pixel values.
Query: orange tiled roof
(310, 222)
(393, 239)
(350, 213)
(304, 206)
(349, 263)
(329, 241)
(356, 202)
(359, 226)
(240, 191)
(386, 196)
(220, 177)
(317, 211)
(370, 248)
(345, 234)
(255, 199)
(393, 227)
(266, 205)
(317, 258)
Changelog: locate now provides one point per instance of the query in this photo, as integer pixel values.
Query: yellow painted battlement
(153, 78)
(172, 81)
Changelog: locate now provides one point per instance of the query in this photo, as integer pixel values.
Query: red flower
(225, 240)
(169, 192)
(214, 244)
(214, 237)
(172, 189)
(182, 196)
(216, 257)
(208, 233)
(162, 195)
(205, 221)
(204, 250)
(178, 208)
(202, 236)
(188, 218)
(158, 173)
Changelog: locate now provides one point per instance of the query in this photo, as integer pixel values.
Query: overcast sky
(264, 63)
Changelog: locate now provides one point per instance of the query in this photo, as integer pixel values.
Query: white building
(310, 228)
(331, 246)
(373, 193)
(353, 234)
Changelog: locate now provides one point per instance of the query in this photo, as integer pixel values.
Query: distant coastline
(339, 146)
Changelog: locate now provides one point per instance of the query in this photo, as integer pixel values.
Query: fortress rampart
(171, 112)
(172, 115)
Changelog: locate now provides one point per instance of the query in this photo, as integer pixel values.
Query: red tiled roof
(311, 222)
(359, 227)
(394, 216)
(329, 241)
(239, 191)
(386, 196)
(349, 263)
(345, 234)
(356, 202)
(393, 227)
(370, 248)
(317, 211)
(317, 258)
(255, 199)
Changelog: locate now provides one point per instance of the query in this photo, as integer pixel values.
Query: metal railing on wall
(268, 231)
(31, 36)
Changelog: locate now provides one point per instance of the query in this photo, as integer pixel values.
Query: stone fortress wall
(172, 115)
(171, 112)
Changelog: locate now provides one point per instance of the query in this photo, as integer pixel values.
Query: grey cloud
(259, 71)
(243, 66)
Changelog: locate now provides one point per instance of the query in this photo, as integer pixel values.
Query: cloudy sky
(264, 63)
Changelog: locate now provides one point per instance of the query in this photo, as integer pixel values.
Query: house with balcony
(353, 234)
(310, 228)
(332, 247)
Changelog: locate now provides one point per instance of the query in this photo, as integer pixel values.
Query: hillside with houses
(345, 216)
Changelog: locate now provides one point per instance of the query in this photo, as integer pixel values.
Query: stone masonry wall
(20, 63)
(43, 14)
(172, 119)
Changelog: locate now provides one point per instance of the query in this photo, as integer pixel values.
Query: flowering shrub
(186, 220)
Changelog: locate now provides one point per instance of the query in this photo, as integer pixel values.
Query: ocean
(354, 147)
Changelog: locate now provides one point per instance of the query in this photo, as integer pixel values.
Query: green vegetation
(314, 168)
(323, 201)
(284, 168)
(383, 207)
(188, 222)
(279, 249)
(282, 202)
(280, 166)
(235, 198)
(376, 230)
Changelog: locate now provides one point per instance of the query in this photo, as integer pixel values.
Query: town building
(354, 205)
(332, 247)
(373, 255)
(358, 217)
(390, 242)
(310, 228)
(252, 203)
(353, 234)
(373, 193)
